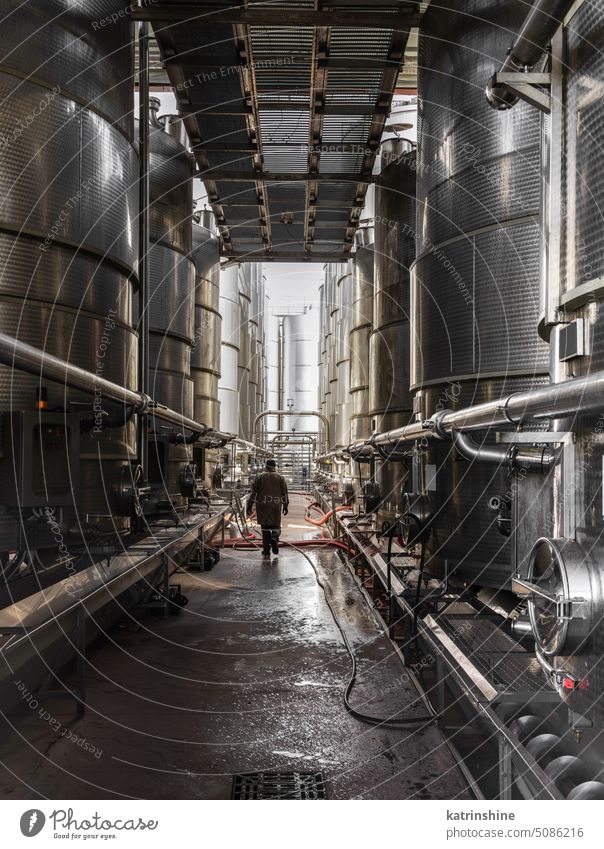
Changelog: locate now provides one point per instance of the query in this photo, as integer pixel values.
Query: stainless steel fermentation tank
(337, 315)
(256, 334)
(342, 328)
(68, 251)
(360, 333)
(567, 563)
(390, 401)
(171, 299)
(476, 278)
(206, 353)
(300, 372)
(245, 348)
(228, 386)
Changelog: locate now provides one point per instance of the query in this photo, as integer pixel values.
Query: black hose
(363, 717)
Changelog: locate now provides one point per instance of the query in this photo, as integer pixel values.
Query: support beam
(265, 16)
(219, 176)
(330, 108)
(285, 256)
(195, 58)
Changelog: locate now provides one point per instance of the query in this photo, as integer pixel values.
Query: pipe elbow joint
(499, 97)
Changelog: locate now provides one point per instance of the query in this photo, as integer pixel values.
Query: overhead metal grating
(285, 104)
(279, 785)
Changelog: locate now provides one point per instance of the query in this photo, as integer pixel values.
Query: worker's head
(271, 464)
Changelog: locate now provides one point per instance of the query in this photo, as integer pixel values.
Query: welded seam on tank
(68, 95)
(78, 247)
(533, 218)
(486, 375)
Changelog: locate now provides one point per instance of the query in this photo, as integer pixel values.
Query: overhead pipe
(540, 26)
(573, 397)
(316, 413)
(24, 357)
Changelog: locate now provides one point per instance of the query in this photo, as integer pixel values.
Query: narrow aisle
(249, 677)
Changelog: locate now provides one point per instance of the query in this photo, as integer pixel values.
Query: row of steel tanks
(560, 523)
(475, 288)
(470, 298)
(506, 297)
(364, 346)
(68, 246)
(243, 383)
(69, 285)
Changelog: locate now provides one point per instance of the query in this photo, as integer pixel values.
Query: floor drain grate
(279, 785)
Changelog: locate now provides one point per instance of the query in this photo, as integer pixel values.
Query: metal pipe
(540, 26)
(251, 447)
(20, 355)
(519, 457)
(572, 397)
(317, 413)
(143, 237)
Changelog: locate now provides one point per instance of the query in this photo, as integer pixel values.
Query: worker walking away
(269, 495)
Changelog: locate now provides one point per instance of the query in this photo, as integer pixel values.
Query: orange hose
(326, 516)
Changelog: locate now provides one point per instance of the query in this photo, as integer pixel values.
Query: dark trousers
(269, 535)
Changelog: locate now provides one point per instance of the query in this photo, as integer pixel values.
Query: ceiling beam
(286, 256)
(195, 58)
(329, 108)
(250, 90)
(218, 176)
(265, 16)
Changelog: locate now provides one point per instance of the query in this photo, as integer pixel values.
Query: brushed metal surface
(394, 252)
(228, 386)
(171, 291)
(582, 255)
(476, 280)
(206, 351)
(68, 220)
(300, 371)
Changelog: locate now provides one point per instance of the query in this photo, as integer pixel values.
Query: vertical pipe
(143, 236)
(281, 376)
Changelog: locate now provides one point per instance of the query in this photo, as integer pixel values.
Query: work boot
(266, 552)
(275, 545)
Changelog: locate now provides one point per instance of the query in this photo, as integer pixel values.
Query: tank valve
(502, 505)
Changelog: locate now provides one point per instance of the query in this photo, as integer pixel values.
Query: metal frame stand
(77, 641)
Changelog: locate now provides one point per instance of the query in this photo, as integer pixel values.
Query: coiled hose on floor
(251, 542)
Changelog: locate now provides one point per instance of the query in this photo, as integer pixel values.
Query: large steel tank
(343, 324)
(171, 298)
(475, 289)
(255, 334)
(68, 246)
(300, 372)
(322, 353)
(390, 401)
(205, 357)
(262, 390)
(228, 385)
(273, 388)
(332, 273)
(567, 564)
(245, 348)
(360, 332)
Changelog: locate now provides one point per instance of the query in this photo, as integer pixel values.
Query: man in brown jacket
(269, 494)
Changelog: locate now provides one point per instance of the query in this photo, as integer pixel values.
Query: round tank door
(560, 589)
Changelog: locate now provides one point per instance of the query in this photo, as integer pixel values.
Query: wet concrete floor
(248, 677)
